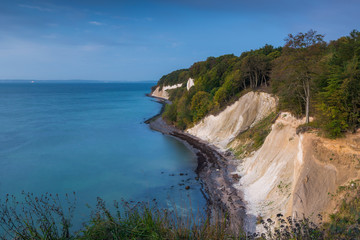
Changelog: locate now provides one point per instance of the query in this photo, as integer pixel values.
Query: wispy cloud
(96, 23)
(50, 36)
(52, 24)
(147, 19)
(42, 9)
(90, 47)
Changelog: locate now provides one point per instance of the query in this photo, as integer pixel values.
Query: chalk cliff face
(294, 174)
(189, 83)
(163, 92)
(269, 174)
(244, 113)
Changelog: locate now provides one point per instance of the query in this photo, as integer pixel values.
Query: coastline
(213, 169)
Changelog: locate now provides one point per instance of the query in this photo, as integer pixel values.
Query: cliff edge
(220, 130)
(295, 174)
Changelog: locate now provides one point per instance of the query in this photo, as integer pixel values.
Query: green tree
(295, 70)
(339, 99)
(170, 112)
(200, 105)
(256, 68)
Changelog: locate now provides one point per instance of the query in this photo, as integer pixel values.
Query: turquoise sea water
(90, 138)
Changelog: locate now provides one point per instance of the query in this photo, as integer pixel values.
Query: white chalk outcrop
(293, 174)
(189, 83)
(163, 92)
(268, 175)
(244, 113)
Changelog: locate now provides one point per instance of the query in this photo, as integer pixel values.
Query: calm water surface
(90, 138)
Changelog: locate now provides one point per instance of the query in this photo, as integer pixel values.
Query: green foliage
(143, 221)
(327, 76)
(44, 218)
(184, 113)
(345, 223)
(294, 72)
(170, 112)
(233, 84)
(178, 76)
(256, 69)
(253, 138)
(200, 105)
(308, 75)
(218, 81)
(339, 99)
(36, 218)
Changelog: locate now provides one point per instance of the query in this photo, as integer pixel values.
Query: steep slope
(327, 165)
(190, 83)
(268, 174)
(296, 174)
(244, 113)
(163, 92)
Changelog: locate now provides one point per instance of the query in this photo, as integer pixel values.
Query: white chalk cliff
(269, 174)
(238, 117)
(293, 174)
(163, 92)
(189, 83)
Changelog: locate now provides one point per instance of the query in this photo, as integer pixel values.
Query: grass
(253, 138)
(44, 218)
(145, 222)
(48, 218)
(345, 223)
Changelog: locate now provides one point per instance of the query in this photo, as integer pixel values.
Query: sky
(141, 40)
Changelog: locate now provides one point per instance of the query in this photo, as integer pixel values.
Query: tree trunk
(264, 80)
(307, 93)
(256, 79)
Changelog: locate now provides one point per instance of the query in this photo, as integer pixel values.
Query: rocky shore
(214, 170)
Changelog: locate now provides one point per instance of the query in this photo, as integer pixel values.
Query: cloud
(50, 36)
(96, 23)
(90, 47)
(42, 9)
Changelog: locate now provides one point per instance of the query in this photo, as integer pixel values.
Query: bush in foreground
(48, 218)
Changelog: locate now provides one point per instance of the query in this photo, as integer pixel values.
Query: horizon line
(74, 80)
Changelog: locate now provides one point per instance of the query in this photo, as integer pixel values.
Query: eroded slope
(244, 113)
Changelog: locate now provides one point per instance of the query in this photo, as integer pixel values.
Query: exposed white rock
(163, 92)
(244, 113)
(189, 83)
(269, 174)
(293, 174)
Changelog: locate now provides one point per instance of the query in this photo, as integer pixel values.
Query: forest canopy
(310, 77)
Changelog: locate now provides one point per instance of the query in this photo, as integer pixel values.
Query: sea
(90, 138)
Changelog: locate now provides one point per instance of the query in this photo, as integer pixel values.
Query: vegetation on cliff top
(310, 76)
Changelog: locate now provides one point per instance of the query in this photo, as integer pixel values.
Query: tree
(200, 105)
(256, 68)
(339, 99)
(295, 70)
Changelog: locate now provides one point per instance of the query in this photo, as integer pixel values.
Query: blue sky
(143, 40)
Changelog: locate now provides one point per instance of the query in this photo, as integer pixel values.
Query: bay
(90, 138)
